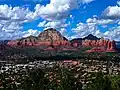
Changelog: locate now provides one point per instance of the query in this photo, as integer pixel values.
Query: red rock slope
(49, 37)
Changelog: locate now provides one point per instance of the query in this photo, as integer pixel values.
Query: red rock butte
(53, 38)
(100, 45)
(49, 37)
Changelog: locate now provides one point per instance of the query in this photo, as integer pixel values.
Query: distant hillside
(89, 37)
(118, 44)
(76, 40)
(4, 41)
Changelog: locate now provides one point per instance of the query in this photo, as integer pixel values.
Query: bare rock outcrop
(97, 44)
(101, 45)
(29, 41)
(52, 39)
(49, 37)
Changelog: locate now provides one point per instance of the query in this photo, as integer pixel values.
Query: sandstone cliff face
(52, 39)
(98, 45)
(13, 43)
(49, 37)
(29, 41)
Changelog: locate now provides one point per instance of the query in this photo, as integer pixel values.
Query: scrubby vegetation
(27, 54)
(56, 79)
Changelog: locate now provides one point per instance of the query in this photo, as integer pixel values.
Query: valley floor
(52, 75)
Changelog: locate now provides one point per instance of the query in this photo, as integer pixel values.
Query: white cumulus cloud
(111, 12)
(83, 30)
(54, 15)
(100, 21)
(57, 9)
(31, 32)
(53, 24)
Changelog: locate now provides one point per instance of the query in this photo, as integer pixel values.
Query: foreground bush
(56, 79)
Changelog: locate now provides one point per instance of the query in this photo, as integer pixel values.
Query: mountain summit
(51, 35)
(51, 39)
(47, 37)
(91, 37)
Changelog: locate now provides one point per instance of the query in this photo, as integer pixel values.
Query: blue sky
(73, 18)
